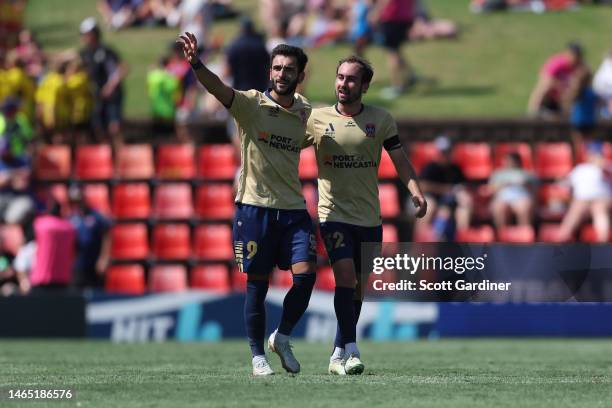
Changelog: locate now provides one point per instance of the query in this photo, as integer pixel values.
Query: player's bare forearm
(206, 77)
(407, 174)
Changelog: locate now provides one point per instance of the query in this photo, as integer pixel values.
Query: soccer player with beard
(348, 139)
(271, 225)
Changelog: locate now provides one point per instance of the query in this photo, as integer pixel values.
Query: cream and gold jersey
(271, 138)
(348, 150)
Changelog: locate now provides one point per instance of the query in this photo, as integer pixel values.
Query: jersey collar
(269, 95)
(349, 116)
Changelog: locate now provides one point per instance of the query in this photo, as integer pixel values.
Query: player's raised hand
(190, 47)
(420, 204)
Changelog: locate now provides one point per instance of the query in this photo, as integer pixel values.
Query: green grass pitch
(448, 373)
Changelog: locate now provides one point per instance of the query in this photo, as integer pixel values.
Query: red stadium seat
(282, 279)
(135, 162)
(389, 200)
(211, 277)
(175, 161)
(549, 233)
(215, 202)
(11, 238)
(523, 149)
(239, 280)
(168, 278)
(129, 241)
(553, 200)
(386, 168)
(173, 201)
(422, 153)
(587, 234)
(96, 197)
(311, 195)
(474, 159)
(171, 241)
(132, 200)
(94, 162)
(607, 150)
(217, 162)
(484, 233)
(213, 242)
(390, 233)
(325, 279)
(517, 234)
(308, 164)
(53, 162)
(553, 160)
(424, 233)
(125, 279)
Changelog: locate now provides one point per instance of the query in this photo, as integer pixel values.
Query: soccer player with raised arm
(348, 138)
(271, 225)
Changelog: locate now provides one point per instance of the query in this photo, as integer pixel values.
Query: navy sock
(296, 301)
(345, 313)
(255, 315)
(338, 339)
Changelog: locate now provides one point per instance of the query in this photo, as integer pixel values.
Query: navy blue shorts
(267, 237)
(344, 240)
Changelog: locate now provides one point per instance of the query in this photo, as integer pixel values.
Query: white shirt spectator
(589, 182)
(602, 82)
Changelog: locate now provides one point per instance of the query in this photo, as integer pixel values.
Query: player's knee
(257, 290)
(305, 280)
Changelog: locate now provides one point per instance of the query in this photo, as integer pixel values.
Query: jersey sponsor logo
(263, 137)
(350, 124)
(330, 131)
(370, 130)
(278, 142)
(348, 161)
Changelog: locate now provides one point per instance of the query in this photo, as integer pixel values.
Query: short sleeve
(309, 138)
(244, 104)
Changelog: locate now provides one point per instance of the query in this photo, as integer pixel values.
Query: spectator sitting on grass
(547, 97)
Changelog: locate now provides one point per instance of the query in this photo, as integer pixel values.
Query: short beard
(352, 98)
(290, 88)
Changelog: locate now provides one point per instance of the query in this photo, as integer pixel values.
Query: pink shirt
(55, 246)
(398, 10)
(560, 68)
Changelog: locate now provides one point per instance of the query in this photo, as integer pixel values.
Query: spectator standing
(582, 102)
(602, 84)
(92, 242)
(55, 249)
(106, 72)
(164, 93)
(16, 204)
(395, 18)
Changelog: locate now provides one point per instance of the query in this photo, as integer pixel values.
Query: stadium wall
(210, 317)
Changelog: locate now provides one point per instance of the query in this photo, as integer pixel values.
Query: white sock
(338, 354)
(351, 348)
(257, 359)
(283, 338)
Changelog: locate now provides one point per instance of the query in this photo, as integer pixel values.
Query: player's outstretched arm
(207, 78)
(408, 176)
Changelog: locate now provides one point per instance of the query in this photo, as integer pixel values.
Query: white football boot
(353, 365)
(261, 367)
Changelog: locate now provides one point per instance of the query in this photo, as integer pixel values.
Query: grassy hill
(488, 71)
